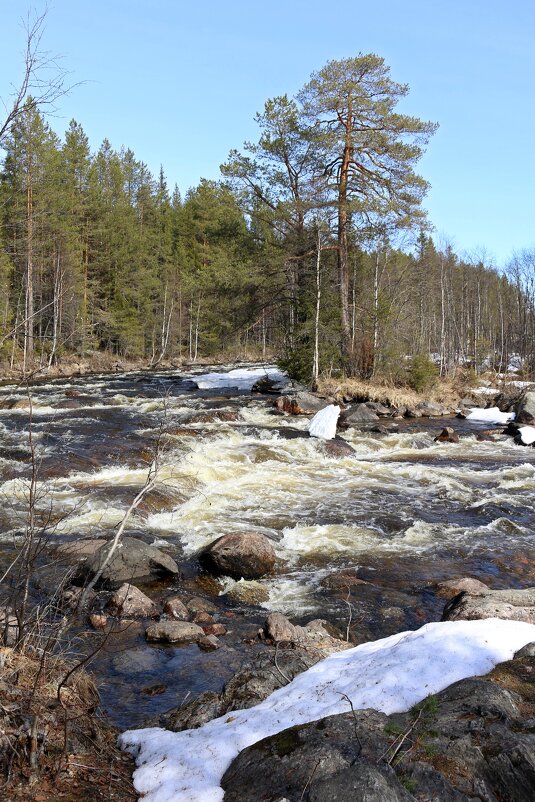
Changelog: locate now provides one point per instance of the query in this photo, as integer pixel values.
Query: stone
(430, 409)
(130, 602)
(248, 555)
(338, 447)
(301, 403)
(78, 550)
(526, 651)
(515, 605)
(215, 629)
(356, 415)
(174, 632)
(412, 412)
(133, 559)
(452, 587)
(279, 629)
(525, 409)
(209, 643)
(176, 608)
(203, 619)
(199, 605)
(447, 435)
(214, 415)
(71, 598)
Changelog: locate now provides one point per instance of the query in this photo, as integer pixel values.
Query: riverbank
(362, 536)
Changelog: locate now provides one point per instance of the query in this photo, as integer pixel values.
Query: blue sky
(180, 84)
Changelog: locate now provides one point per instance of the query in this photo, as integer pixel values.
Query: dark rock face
(515, 605)
(251, 685)
(525, 409)
(133, 559)
(473, 741)
(248, 555)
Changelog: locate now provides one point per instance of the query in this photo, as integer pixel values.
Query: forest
(313, 248)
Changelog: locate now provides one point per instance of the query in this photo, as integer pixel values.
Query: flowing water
(403, 512)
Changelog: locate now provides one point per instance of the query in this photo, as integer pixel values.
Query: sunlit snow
(492, 415)
(390, 675)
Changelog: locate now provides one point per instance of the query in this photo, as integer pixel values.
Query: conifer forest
(313, 248)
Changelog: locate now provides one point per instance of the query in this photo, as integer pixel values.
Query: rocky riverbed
(360, 532)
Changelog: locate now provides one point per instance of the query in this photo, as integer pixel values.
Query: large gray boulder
(474, 740)
(132, 560)
(525, 409)
(301, 403)
(248, 555)
(357, 415)
(174, 632)
(516, 605)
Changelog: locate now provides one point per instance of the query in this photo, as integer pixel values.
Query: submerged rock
(175, 608)
(248, 555)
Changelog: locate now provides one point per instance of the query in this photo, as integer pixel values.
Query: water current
(402, 513)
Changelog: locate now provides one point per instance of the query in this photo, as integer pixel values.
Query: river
(403, 512)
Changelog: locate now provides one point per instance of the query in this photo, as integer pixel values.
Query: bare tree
(44, 79)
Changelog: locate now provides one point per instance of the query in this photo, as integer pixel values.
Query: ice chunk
(323, 424)
(527, 435)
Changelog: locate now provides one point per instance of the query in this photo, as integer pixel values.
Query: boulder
(279, 629)
(132, 559)
(525, 409)
(516, 605)
(302, 403)
(79, 550)
(447, 435)
(209, 643)
(430, 409)
(199, 605)
(379, 409)
(452, 587)
(471, 741)
(174, 632)
(356, 415)
(248, 555)
(175, 608)
(338, 447)
(214, 415)
(412, 412)
(130, 602)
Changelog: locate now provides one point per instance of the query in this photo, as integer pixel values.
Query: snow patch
(323, 424)
(491, 415)
(242, 378)
(389, 675)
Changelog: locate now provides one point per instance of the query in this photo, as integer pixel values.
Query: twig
(281, 672)
(355, 722)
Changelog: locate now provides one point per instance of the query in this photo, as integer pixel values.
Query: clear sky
(179, 82)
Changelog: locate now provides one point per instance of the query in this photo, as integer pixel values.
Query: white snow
(323, 424)
(527, 435)
(242, 378)
(492, 415)
(390, 675)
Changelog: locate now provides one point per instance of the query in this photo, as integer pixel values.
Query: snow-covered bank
(389, 675)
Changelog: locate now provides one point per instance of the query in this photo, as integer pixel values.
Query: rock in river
(130, 602)
(248, 555)
(133, 559)
(515, 605)
(174, 632)
(525, 409)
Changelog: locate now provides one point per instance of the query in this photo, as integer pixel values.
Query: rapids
(403, 512)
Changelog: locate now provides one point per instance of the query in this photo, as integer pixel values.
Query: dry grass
(53, 746)
(444, 392)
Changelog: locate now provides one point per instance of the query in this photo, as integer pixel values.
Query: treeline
(313, 249)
